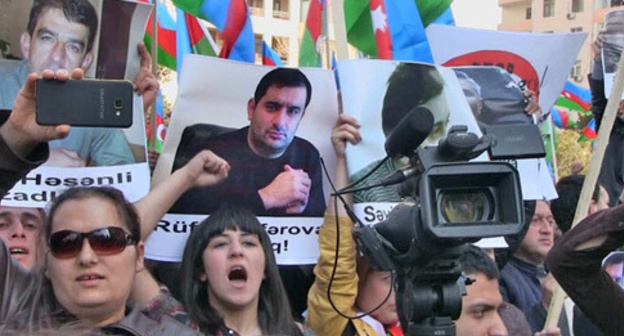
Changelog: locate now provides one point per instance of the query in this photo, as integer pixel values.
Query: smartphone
(85, 102)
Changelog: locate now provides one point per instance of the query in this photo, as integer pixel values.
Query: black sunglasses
(104, 241)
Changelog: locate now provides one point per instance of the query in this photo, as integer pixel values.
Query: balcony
(504, 3)
(278, 14)
(256, 11)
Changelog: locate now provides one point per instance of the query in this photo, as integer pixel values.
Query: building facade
(550, 16)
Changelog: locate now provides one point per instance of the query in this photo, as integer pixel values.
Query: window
(281, 9)
(576, 29)
(281, 46)
(549, 8)
(575, 73)
(527, 15)
(577, 6)
(258, 48)
(256, 7)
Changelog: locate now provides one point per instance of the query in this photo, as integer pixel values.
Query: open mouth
(237, 274)
(18, 251)
(88, 277)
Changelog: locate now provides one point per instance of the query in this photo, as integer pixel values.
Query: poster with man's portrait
(494, 96)
(612, 46)
(272, 125)
(101, 37)
(380, 94)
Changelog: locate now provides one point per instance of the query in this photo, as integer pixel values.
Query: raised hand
(205, 169)
(346, 129)
(21, 131)
(145, 83)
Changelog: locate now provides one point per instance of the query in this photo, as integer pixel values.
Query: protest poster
(90, 39)
(535, 58)
(213, 111)
(379, 94)
(612, 47)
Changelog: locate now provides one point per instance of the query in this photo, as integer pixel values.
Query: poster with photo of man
(613, 35)
(93, 36)
(272, 125)
(494, 96)
(379, 94)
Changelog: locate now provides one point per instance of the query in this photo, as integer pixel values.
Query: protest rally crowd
(78, 267)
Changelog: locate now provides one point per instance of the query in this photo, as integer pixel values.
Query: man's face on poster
(472, 95)
(56, 43)
(274, 119)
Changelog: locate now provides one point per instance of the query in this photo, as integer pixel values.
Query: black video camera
(455, 202)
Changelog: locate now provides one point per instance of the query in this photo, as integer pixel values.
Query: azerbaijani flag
(574, 97)
(231, 17)
(166, 27)
(589, 132)
(192, 38)
(161, 129)
(394, 29)
(561, 119)
(177, 38)
(310, 50)
(270, 57)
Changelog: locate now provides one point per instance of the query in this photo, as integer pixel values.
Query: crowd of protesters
(78, 267)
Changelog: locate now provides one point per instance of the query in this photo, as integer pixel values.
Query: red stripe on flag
(166, 37)
(381, 30)
(576, 99)
(313, 20)
(266, 60)
(236, 18)
(195, 31)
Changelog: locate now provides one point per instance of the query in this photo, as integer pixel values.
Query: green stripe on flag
(308, 57)
(567, 103)
(359, 26)
(190, 6)
(203, 47)
(165, 59)
(430, 10)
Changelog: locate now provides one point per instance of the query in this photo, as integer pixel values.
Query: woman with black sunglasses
(93, 255)
(94, 260)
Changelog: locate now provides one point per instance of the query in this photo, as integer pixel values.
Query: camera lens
(118, 103)
(465, 206)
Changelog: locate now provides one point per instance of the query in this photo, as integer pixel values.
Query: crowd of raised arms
(78, 267)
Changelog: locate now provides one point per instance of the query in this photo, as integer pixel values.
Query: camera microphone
(410, 132)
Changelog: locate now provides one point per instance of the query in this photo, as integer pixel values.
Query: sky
(482, 14)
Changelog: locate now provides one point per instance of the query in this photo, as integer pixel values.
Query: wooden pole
(602, 140)
(340, 29)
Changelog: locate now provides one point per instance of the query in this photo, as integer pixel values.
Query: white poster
(536, 58)
(216, 109)
(105, 38)
(612, 47)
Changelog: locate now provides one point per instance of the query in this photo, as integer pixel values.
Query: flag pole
(153, 121)
(326, 28)
(340, 29)
(602, 140)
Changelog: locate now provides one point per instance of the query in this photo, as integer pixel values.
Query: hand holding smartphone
(86, 102)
